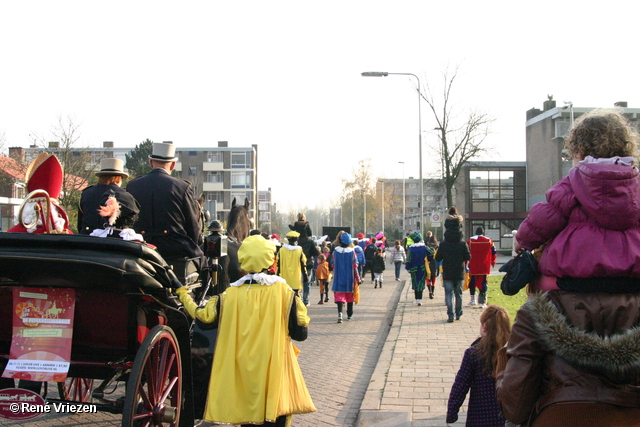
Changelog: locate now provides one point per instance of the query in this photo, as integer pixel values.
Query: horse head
(239, 221)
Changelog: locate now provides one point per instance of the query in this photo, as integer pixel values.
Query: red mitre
(45, 173)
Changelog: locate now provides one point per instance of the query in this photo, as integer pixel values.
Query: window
(241, 159)
(265, 216)
(240, 180)
(263, 206)
(214, 196)
(193, 170)
(214, 156)
(193, 153)
(215, 177)
(240, 196)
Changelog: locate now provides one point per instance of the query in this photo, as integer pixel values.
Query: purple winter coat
(593, 217)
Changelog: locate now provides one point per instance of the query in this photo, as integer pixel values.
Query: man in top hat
(110, 178)
(169, 212)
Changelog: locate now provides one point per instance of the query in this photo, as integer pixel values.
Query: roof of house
(11, 167)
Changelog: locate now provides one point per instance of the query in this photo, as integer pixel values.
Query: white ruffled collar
(346, 250)
(291, 247)
(261, 278)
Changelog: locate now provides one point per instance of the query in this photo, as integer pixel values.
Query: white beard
(29, 215)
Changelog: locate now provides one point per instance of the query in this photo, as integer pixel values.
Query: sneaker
(419, 301)
(320, 302)
(326, 299)
(450, 320)
(473, 301)
(482, 305)
(430, 295)
(340, 320)
(350, 318)
(458, 317)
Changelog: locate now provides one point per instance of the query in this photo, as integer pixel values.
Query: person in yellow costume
(255, 378)
(292, 262)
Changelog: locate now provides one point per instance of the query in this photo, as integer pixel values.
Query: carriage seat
(73, 260)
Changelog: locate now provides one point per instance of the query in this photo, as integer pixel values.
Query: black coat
(453, 255)
(169, 214)
(88, 217)
(378, 264)
(303, 228)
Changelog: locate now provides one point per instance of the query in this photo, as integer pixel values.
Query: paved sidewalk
(419, 361)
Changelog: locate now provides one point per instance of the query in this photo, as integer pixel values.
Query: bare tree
(76, 162)
(355, 189)
(459, 141)
(3, 142)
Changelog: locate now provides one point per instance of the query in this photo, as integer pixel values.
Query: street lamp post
(382, 182)
(364, 197)
(352, 223)
(404, 211)
(385, 74)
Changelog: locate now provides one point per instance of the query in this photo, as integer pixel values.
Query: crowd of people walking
(570, 358)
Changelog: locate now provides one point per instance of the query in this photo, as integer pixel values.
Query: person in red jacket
(483, 256)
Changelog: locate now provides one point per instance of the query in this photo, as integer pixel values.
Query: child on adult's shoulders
(453, 225)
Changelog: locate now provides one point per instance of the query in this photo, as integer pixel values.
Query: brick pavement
(387, 367)
(421, 356)
(337, 360)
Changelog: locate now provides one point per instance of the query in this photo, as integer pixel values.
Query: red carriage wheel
(154, 388)
(76, 389)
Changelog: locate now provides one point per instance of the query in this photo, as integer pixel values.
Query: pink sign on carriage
(42, 334)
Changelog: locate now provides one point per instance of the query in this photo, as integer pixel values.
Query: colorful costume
(345, 276)
(417, 265)
(40, 212)
(255, 375)
(483, 256)
(292, 264)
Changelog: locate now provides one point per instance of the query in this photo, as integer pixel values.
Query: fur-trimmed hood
(615, 356)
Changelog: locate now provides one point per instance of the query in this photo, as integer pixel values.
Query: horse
(239, 221)
(238, 227)
(53, 312)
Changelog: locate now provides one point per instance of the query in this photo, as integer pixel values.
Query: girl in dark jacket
(478, 372)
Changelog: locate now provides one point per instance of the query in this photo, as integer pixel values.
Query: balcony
(212, 166)
(212, 186)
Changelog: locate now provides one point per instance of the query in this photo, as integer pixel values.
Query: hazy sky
(286, 75)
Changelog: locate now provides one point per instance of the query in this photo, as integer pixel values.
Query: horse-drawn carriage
(127, 327)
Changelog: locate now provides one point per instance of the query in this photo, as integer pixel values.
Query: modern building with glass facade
(493, 195)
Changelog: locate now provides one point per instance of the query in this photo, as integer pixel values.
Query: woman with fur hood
(574, 351)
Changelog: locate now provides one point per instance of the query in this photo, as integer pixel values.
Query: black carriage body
(121, 294)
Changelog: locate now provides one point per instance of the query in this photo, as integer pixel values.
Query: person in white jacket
(398, 257)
